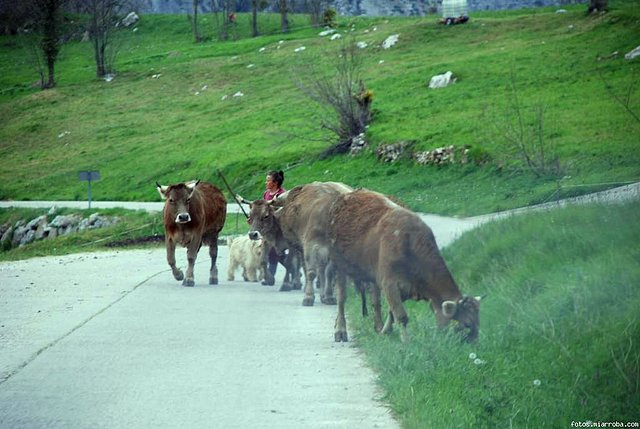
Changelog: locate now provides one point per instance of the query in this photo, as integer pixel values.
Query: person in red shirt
(273, 184)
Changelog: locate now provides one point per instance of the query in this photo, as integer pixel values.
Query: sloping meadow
(560, 330)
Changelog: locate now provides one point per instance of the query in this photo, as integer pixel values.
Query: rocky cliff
(365, 7)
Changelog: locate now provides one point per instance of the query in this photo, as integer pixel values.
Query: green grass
(561, 308)
(137, 129)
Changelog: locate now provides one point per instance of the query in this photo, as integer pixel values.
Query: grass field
(137, 129)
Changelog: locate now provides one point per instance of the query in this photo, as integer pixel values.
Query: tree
(254, 18)
(598, 6)
(101, 28)
(194, 20)
(46, 16)
(283, 8)
(343, 98)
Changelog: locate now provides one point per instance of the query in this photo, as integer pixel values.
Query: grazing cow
(194, 213)
(302, 224)
(375, 240)
(247, 254)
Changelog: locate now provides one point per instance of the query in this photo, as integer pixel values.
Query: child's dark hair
(277, 176)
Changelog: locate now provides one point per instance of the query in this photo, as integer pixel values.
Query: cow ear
(449, 308)
(162, 190)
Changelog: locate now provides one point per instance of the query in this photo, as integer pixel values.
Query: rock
(62, 221)
(130, 19)
(390, 41)
(358, 144)
(632, 54)
(327, 32)
(442, 80)
(392, 152)
(6, 237)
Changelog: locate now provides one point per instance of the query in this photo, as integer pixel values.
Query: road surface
(110, 340)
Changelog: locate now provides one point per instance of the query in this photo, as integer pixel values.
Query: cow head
(263, 221)
(467, 312)
(177, 199)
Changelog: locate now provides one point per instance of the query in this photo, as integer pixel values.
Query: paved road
(110, 340)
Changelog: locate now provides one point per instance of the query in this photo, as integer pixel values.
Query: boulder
(390, 41)
(632, 54)
(442, 80)
(130, 19)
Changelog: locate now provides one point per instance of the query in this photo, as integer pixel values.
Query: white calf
(248, 254)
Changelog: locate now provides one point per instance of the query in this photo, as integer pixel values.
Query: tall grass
(560, 331)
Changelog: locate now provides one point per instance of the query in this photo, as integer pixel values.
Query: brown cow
(303, 223)
(375, 240)
(264, 224)
(194, 213)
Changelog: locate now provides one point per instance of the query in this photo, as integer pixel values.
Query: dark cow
(194, 213)
(264, 224)
(303, 224)
(375, 240)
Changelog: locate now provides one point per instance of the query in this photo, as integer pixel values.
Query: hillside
(170, 114)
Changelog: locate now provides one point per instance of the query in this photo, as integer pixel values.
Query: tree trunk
(254, 18)
(598, 6)
(284, 19)
(194, 21)
(50, 44)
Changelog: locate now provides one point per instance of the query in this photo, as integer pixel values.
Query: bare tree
(283, 9)
(46, 16)
(316, 10)
(226, 8)
(343, 98)
(193, 18)
(254, 17)
(598, 6)
(102, 26)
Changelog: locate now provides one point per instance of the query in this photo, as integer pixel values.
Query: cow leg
(325, 278)
(286, 261)
(388, 324)
(192, 253)
(392, 293)
(269, 279)
(309, 277)
(296, 281)
(377, 308)
(213, 254)
(341, 322)
(171, 259)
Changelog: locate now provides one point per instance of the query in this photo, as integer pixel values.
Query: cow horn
(192, 184)
(449, 308)
(162, 190)
(481, 297)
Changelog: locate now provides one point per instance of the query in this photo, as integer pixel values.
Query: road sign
(89, 176)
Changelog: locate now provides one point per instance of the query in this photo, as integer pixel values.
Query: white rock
(336, 36)
(390, 41)
(442, 80)
(632, 54)
(326, 32)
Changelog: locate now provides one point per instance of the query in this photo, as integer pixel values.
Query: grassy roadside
(559, 338)
(135, 228)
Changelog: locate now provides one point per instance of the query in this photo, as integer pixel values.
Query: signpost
(89, 176)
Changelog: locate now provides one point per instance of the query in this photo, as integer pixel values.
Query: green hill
(170, 114)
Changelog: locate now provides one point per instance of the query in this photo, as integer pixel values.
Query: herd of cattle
(333, 233)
